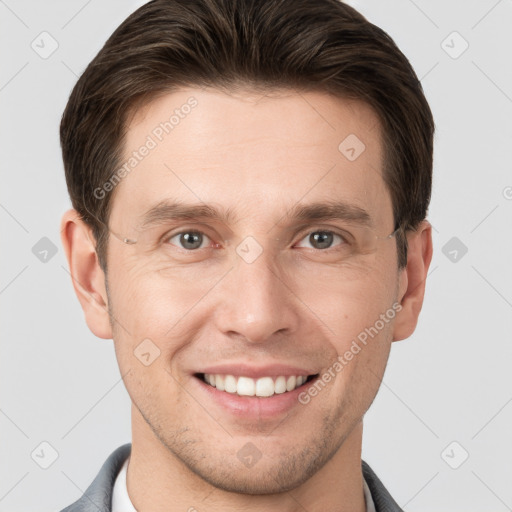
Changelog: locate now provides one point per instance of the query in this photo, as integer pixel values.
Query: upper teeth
(245, 386)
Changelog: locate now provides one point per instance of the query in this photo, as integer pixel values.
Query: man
(250, 181)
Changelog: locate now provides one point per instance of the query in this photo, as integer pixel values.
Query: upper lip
(244, 370)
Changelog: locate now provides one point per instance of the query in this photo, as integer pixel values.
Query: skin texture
(258, 156)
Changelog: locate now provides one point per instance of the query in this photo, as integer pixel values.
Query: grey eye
(321, 239)
(189, 240)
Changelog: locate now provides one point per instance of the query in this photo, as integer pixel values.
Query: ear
(87, 276)
(412, 280)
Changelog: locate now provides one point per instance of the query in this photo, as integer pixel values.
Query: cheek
(153, 299)
(149, 334)
(153, 390)
(347, 307)
(359, 317)
(362, 357)
(156, 317)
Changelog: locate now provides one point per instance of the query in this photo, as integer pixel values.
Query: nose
(257, 302)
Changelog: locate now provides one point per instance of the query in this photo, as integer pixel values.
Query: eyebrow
(166, 211)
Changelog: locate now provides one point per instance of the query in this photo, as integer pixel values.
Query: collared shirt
(121, 501)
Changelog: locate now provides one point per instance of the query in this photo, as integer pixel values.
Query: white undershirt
(121, 501)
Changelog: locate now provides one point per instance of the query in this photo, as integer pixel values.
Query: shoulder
(384, 502)
(98, 496)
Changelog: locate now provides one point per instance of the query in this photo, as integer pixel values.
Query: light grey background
(451, 381)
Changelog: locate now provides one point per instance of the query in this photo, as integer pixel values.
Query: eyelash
(167, 238)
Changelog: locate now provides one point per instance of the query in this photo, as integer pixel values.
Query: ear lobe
(87, 276)
(413, 279)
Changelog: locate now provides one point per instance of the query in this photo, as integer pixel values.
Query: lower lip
(254, 407)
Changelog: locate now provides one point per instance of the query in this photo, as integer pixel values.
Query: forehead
(252, 153)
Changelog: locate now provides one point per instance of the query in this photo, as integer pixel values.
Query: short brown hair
(315, 45)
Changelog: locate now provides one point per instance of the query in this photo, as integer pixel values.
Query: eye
(323, 239)
(189, 240)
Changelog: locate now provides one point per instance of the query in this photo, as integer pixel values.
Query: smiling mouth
(263, 387)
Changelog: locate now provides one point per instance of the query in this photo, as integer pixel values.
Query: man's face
(253, 294)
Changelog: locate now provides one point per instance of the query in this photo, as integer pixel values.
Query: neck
(158, 481)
